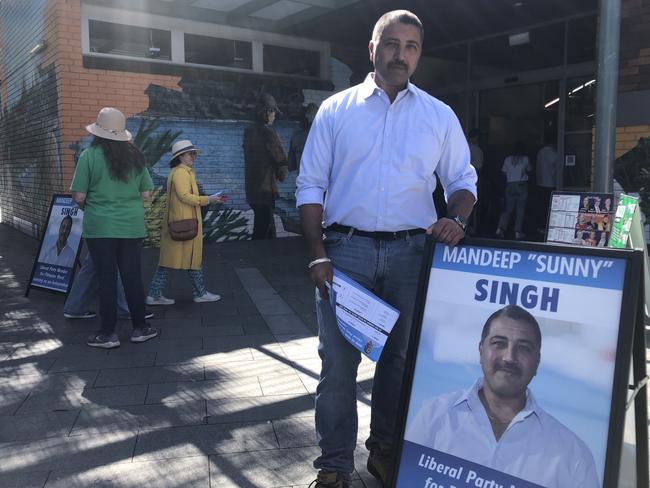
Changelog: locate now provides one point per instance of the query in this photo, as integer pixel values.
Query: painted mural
(31, 167)
(213, 114)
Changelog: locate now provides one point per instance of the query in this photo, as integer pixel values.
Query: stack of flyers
(364, 319)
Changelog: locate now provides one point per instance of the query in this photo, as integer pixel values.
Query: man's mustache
(508, 368)
(397, 64)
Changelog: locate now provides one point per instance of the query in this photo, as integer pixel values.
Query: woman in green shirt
(110, 184)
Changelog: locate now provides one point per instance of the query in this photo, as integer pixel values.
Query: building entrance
(507, 116)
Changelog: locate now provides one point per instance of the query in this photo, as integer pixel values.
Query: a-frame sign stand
(639, 388)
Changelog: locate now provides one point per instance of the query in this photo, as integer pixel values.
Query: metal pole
(607, 92)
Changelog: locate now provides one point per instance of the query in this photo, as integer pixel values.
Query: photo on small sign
(581, 219)
(53, 269)
(514, 369)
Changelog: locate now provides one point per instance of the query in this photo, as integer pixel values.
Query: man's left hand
(447, 231)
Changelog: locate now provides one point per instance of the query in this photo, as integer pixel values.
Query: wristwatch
(460, 221)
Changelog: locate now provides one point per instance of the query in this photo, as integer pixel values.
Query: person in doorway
(515, 168)
(265, 165)
(367, 174)
(110, 183)
(497, 422)
(546, 169)
(183, 202)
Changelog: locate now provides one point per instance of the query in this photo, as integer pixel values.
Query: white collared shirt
(547, 159)
(376, 160)
(535, 447)
(516, 168)
(51, 255)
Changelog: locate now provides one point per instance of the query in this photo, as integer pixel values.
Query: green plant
(152, 145)
(154, 213)
(224, 225)
(632, 171)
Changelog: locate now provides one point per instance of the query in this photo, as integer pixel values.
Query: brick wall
(634, 77)
(83, 91)
(628, 137)
(29, 134)
(635, 46)
(47, 100)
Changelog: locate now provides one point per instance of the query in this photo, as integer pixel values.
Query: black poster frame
(629, 324)
(40, 247)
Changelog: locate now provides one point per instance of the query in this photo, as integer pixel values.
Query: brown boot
(381, 463)
(329, 480)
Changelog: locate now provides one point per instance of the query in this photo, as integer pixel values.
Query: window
(180, 41)
(128, 40)
(216, 51)
(291, 61)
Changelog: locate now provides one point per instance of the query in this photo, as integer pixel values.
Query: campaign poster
(54, 266)
(514, 368)
(581, 219)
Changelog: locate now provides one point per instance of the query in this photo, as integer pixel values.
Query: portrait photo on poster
(60, 244)
(514, 368)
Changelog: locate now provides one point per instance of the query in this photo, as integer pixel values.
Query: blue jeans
(516, 196)
(390, 269)
(85, 288)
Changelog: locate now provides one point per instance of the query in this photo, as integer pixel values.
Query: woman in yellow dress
(183, 202)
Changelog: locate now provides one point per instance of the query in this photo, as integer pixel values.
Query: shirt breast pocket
(421, 152)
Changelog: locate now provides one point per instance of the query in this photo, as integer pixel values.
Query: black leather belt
(380, 235)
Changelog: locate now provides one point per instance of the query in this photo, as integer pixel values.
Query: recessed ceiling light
(519, 4)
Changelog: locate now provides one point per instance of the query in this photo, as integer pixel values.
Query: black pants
(264, 222)
(109, 255)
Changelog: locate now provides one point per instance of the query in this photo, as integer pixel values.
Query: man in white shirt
(546, 168)
(367, 175)
(60, 253)
(497, 422)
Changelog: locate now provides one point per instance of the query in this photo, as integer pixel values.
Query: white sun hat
(181, 147)
(111, 124)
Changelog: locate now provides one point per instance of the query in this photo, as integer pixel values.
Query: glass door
(507, 115)
(578, 134)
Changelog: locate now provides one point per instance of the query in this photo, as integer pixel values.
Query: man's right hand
(320, 274)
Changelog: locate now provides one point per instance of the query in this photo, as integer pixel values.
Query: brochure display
(364, 319)
(54, 265)
(583, 219)
(627, 205)
(518, 366)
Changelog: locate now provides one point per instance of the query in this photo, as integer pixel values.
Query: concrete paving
(223, 398)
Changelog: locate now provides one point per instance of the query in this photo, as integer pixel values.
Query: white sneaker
(161, 300)
(208, 297)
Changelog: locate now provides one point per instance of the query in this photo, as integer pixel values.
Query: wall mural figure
(265, 162)
(299, 137)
